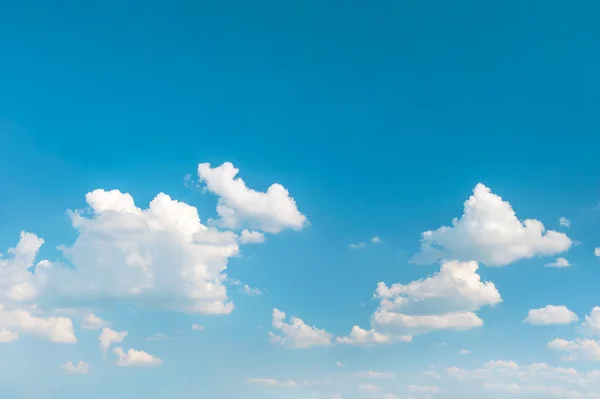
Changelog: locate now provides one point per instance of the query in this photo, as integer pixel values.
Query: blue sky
(387, 120)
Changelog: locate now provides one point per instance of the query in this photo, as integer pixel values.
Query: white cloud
(135, 358)
(375, 374)
(93, 322)
(587, 349)
(297, 334)
(425, 323)
(271, 211)
(558, 263)
(55, 329)
(109, 337)
(464, 352)
(339, 364)
(376, 240)
(161, 256)
(457, 286)
(197, 327)
(597, 251)
(359, 336)
(80, 368)
(269, 382)
(564, 222)
(251, 291)
(430, 389)
(490, 232)
(591, 324)
(17, 281)
(251, 237)
(501, 365)
(8, 336)
(551, 314)
(538, 379)
(357, 246)
(445, 301)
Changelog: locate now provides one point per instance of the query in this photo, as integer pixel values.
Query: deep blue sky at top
(380, 117)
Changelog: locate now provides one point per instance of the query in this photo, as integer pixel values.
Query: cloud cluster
(536, 378)
(445, 301)
(158, 257)
(490, 232)
(55, 329)
(296, 333)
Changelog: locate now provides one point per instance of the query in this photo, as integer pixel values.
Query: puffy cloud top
(490, 232)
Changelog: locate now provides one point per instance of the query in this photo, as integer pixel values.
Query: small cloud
(197, 327)
(597, 251)
(270, 382)
(339, 364)
(189, 182)
(135, 358)
(558, 263)
(564, 222)
(356, 246)
(250, 291)
(376, 240)
(93, 322)
(80, 368)
(465, 352)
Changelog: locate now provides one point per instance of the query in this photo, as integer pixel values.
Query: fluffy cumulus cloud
(360, 336)
(591, 324)
(93, 322)
(158, 257)
(580, 348)
(597, 251)
(239, 205)
(445, 301)
(7, 335)
(296, 333)
(17, 282)
(490, 232)
(135, 358)
(109, 337)
(80, 367)
(534, 380)
(559, 263)
(551, 314)
(55, 329)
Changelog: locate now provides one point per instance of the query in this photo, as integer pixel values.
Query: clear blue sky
(379, 120)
